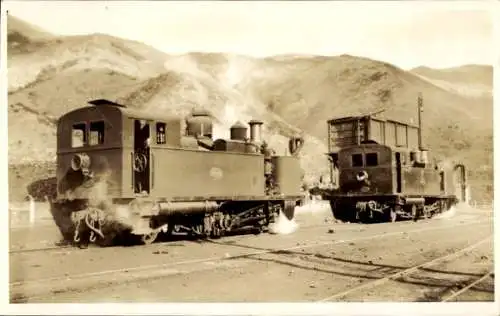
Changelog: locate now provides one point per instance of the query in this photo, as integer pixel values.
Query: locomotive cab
(112, 144)
(365, 169)
(368, 154)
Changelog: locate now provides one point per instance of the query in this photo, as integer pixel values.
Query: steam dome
(238, 131)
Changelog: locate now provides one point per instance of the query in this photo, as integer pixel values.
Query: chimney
(255, 131)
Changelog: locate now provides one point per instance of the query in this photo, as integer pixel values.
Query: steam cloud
(455, 210)
(117, 216)
(283, 226)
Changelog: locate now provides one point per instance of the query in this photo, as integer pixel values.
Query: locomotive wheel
(333, 208)
(148, 239)
(414, 212)
(393, 215)
(258, 230)
(339, 211)
(61, 213)
(442, 206)
(427, 213)
(168, 231)
(289, 209)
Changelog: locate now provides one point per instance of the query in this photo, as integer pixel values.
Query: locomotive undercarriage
(144, 221)
(376, 209)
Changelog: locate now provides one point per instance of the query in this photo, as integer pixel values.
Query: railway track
(344, 227)
(341, 296)
(23, 291)
(468, 287)
(39, 249)
(52, 248)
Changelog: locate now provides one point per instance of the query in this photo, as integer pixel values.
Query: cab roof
(125, 111)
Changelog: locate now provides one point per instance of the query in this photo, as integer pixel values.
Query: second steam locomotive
(384, 173)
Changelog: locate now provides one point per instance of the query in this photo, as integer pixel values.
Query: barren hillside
(305, 91)
(469, 80)
(49, 75)
(23, 37)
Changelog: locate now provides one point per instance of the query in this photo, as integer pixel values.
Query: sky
(408, 34)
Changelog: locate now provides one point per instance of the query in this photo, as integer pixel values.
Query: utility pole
(420, 124)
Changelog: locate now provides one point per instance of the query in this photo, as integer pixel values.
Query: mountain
(23, 37)
(305, 91)
(468, 80)
(49, 75)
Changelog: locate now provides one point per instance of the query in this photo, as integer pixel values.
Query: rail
(394, 276)
(468, 287)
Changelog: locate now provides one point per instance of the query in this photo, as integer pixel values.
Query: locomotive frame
(126, 172)
(383, 171)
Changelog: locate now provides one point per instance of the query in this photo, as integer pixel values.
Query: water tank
(238, 131)
(199, 123)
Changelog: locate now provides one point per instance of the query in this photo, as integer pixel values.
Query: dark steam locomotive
(383, 171)
(122, 171)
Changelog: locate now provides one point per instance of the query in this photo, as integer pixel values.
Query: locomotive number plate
(216, 173)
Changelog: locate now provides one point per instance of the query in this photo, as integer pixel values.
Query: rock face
(49, 75)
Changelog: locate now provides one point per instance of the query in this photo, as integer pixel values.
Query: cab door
(399, 183)
(141, 157)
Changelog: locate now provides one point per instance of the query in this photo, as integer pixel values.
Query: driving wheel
(414, 212)
(149, 238)
(140, 162)
(393, 215)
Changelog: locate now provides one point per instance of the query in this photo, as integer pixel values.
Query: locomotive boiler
(383, 172)
(122, 171)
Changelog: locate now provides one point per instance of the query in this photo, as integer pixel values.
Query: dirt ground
(319, 260)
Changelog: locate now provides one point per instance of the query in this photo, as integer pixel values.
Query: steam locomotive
(121, 171)
(382, 171)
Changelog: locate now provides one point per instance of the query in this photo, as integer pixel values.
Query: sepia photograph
(330, 154)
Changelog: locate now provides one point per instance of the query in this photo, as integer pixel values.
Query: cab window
(78, 135)
(357, 160)
(96, 133)
(371, 159)
(161, 137)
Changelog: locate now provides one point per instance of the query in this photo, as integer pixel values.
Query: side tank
(287, 174)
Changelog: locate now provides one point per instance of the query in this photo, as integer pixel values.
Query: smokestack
(420, 112)
(255, 131)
